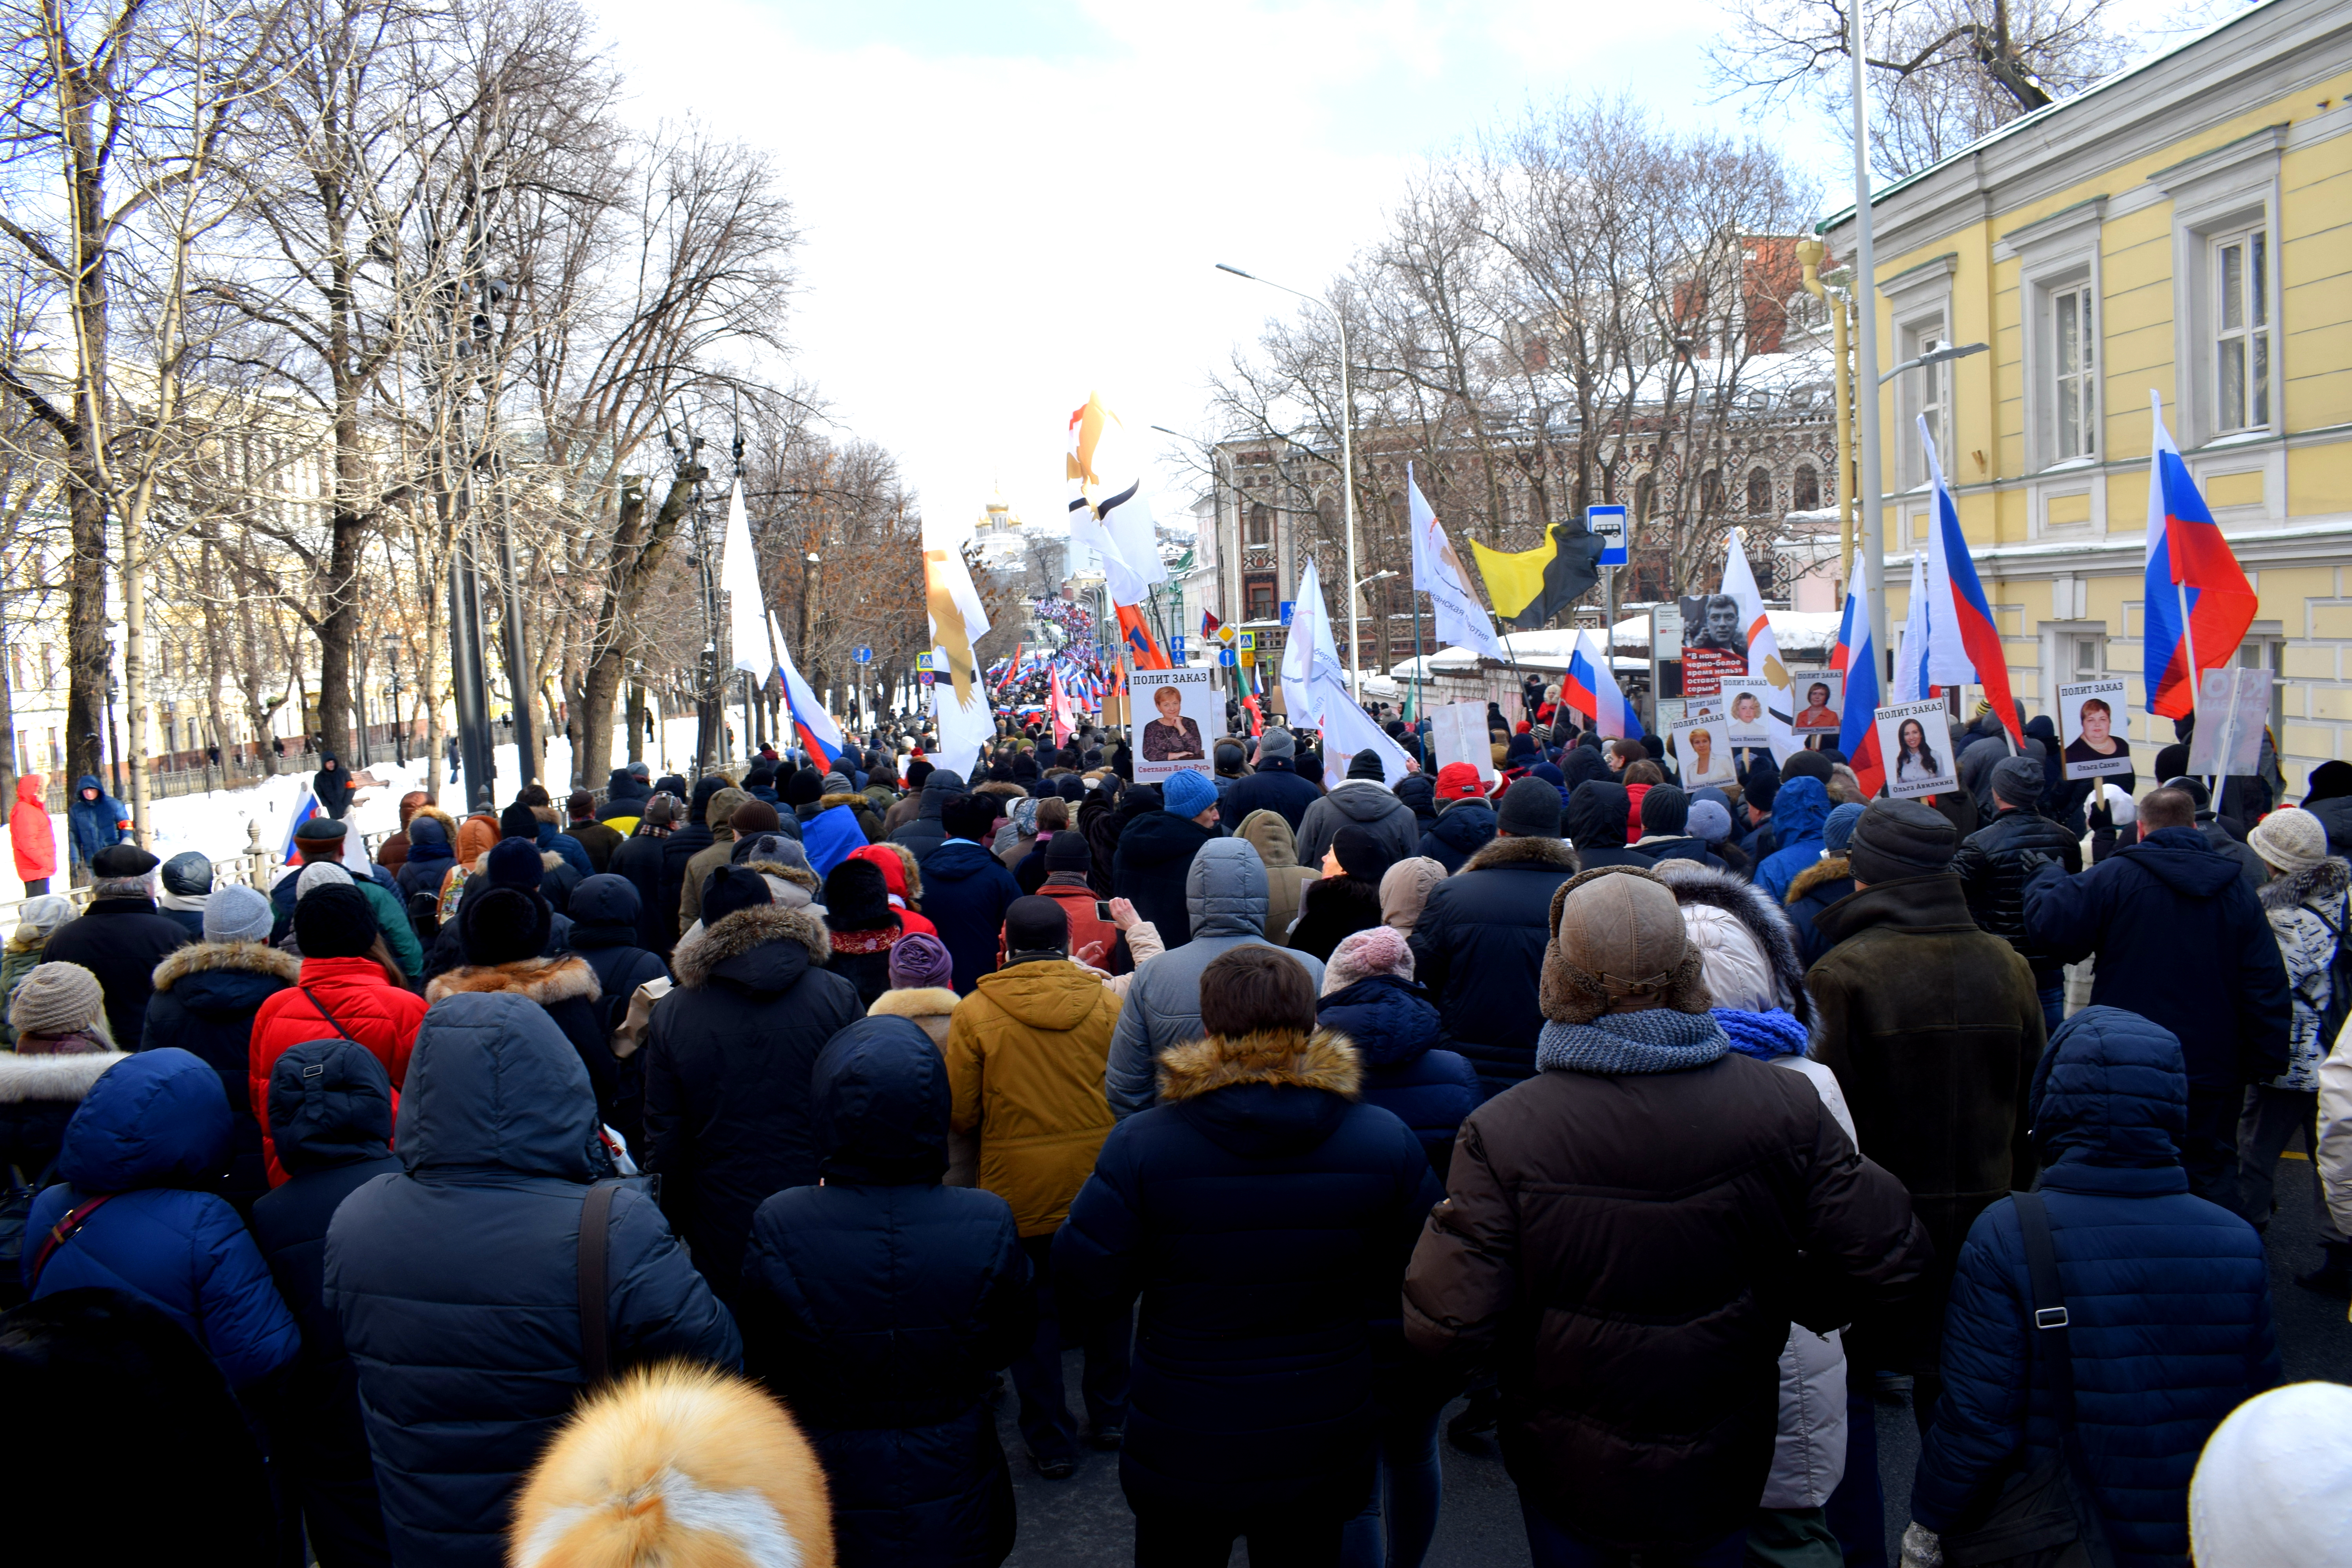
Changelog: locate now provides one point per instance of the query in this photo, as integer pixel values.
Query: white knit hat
(2274, 1488)
(2290, 839)
(1365, 953)
(321, 874)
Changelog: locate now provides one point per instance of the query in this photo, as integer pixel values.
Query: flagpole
(1865, 370)
(2196, 675)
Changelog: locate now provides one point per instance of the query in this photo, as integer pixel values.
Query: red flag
(1142, 646)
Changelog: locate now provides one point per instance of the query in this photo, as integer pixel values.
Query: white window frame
(2073, 384)
(2229, 190)
(2058, 256)
(1919, 299)
(2254, 335)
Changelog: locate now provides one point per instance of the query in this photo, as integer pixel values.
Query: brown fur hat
(1618, 945)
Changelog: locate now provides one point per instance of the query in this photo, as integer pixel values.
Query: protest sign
(1190, 718)
(2093, 716)
(1702, 748)
(1745, 703)
(1917, 749)
(1460, 731)
(2233, 705)
(1821, 696)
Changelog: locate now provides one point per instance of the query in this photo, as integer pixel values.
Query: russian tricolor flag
(1857, 726)
(820, 736)
(1963, 640)
(2197, 595)
(305, 806)
(1591, 687)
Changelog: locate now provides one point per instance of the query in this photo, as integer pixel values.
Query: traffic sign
(1248, 640)
(925, 677)
(923, 661)
(1287, 605)
(1227, 633)
(864, 656)
(1609, 523)
(1176, 646)
(1225, 657)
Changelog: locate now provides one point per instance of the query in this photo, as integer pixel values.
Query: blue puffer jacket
(1266, 1218)
(966, 892)
(2170, 1298)
(575, 853)
(205, 996)
(153, 1132)
(93, 825)
(1393, 1026)
(1460, 831)
(1799, 811)
(878, 1303)
(458, 1282)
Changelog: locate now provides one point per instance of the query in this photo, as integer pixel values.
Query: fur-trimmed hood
(914, 1002)
(1283, 1058)
(1827, 869)
(2323, 885)
(61, 1078)
(241, 957)
(545, 981)
(1695, 882)
(1555, 854)
(798, 875)
(853, 800)
(739, 932)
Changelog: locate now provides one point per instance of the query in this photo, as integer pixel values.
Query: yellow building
(2185, 227)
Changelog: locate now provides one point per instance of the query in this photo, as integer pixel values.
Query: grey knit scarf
(1657, 1040)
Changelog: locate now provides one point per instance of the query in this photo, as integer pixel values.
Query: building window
(1645, 498)
(1710, 493)
(1805, 490)
(2242, 336)
(1258, 594)
(1760, 492)
(1928, 394)
(2073, 364)
(1261, 523)
(2090, 655)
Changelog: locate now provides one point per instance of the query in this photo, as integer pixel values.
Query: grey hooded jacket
(1225, 890)
(1366, 801)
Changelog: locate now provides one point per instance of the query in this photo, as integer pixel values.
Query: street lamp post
(1382, 632)
(1347, 466)
(392, 663)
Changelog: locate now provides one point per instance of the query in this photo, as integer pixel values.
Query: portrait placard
(1188, 716)
(2094, 720)
(1702, 749)
(1915, 747)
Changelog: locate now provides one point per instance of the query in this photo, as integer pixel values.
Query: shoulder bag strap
(2049, 1316)
(596, 1350)
(62, 1233)
(334, 1023)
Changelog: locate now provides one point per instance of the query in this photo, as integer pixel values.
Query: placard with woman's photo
(2094, 717)
(1916, 749)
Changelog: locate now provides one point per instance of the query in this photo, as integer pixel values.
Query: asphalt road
(1085, 1520)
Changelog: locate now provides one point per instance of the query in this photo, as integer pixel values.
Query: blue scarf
(1763, 1035)
(1654, 1040)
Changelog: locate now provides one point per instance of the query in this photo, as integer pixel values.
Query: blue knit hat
(1838, 831)
(1188, 794)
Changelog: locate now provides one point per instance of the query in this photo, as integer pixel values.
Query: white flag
(958, 621)
(1109, 513)
(1763, 648)
(1437, 571)
(1911, 678)
(1308, 651)
(739, 576)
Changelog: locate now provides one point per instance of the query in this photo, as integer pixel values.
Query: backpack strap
(595, 1349)
(332, 1022)
(62, 1233)
(2048, 1343)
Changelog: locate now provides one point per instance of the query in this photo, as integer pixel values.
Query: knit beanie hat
(1459, 781)
(39, 917)
(2273, 1486)
(2329, 780)
(803, 788)
(1761, 788)
(519, 821)
(1708, 821)
(57, 999)
(753, 816)
(1530, 809)
(1617, 945)
(773, 848)
(1034, 924)
(2017, 780)
(334, 921)
(920, 961)
(1279, 743)
(1898, 838)
(856, 897)
(2290, 839)
(1665, 812)
(1189, 794)
(838, 784)
(1067, 851)
(1806, 765)
(237, 914)
(1365, 953)
(501, 925)
(514, 863)
(1838, 831)
(1367, 765)
(1362, 853)
(319, 874)
(729, 888)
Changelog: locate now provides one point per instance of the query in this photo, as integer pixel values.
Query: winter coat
(1070, 891)
(638, 861)
(863, 958)
(1332, 910)
(391, 921)
(207, 995)
(1809, 1444)
(2335, 814)
(1478, 947)
(1265, 1213)
(1224, 894)
(1461, 830)
(2333, 1157)
(597, 841)
(1368, 803)
(604, 931)
(456, 1281)
(1801, 811)
(93, 825)
(879, 1305)
(368, 1007)
(1026, 1053)
(1419, 792)
(1287, 880)
(1815, 889)
(728, 1054)
(31, 836)
(38, 1095)
(684, 842)
(1992, 868)
(1935, 1066)
(1276, 785)
(2308, 913)
(1667, 847)
(966, 892)
(2168, 1297)
(925, 832)
(2230, 846)
(566, 989)
(1154, 853)
(153, 1135)
(931, 1008)
(121, 940)
(1766, 926)
(1393, 1027)
(2182, 941)
(330, 1110)
(868, 820)
(427, 863)
(1628, 1250)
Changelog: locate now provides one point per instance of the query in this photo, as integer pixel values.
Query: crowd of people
(686, 1172)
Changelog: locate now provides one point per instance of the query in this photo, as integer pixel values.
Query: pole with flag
(1963, 640)
(1857, 728)
(819, 735)
(1590, 687)
(2198, 603)
(1911, 682)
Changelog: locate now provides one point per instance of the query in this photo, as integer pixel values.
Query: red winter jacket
(371, 1009)
(30, 834)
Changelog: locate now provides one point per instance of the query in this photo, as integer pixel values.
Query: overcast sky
(1010, 202)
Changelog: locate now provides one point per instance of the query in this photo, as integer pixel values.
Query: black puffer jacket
(1478, 946)
(330, 1120)
(1595, 823)
(1993, 868)
(1276, 785)
(689, 839)
(1155, 851)
(880, 1303)
(727, 1119)
(458, 1281)
(927, 832)
(1460, 831)
(638, 862)
(605, 932)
